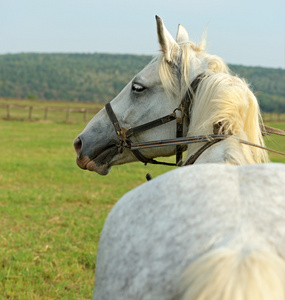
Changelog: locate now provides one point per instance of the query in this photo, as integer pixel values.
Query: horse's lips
(100, 169)
(99, 163)
(82, 162)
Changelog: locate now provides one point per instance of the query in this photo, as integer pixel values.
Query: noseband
(124, 134)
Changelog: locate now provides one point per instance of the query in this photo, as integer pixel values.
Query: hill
(100, 77)
(267, 83)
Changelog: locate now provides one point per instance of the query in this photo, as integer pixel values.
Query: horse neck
(226, 100)
(228, 151)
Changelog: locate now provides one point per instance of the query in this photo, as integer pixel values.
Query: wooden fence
(26, 112)
(30, 112)
(273, 117)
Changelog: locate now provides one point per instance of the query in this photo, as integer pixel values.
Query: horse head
(151, 94)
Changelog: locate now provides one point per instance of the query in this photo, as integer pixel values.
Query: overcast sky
(247, 32)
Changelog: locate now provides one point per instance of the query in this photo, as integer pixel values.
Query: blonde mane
(221, 98)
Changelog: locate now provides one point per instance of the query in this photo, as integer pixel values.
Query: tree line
(100, 77)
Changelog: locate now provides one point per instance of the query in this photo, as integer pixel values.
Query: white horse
(213, 230)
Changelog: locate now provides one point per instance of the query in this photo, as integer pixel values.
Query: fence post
(67, 114)
(8, 111)
(46, 113)
(85, 115)
(263, 117)
(30, 112)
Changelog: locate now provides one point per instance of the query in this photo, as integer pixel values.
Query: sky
(246, 32)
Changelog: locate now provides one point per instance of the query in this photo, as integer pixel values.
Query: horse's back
(155, 231)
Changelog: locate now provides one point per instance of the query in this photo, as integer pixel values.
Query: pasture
(52, 213)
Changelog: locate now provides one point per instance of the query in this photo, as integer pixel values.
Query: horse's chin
(101, 169)
(101, 162)
(86, 163)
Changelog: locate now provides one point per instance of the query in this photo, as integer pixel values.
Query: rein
(125, 142)
(211, 139)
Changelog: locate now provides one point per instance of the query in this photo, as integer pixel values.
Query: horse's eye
(138, 88)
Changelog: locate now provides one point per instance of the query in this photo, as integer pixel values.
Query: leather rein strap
(210, 140)
(124, 134)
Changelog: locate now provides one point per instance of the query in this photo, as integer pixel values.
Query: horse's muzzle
(95, 158)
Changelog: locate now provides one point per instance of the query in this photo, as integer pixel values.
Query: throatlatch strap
(185, 107)
(179, 134)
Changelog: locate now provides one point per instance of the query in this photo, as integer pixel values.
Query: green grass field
(52, 213)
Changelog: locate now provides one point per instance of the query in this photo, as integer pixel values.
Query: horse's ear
(182, 35)
(168, 45)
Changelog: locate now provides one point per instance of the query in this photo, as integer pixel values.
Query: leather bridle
(124, 134)
(180, 142)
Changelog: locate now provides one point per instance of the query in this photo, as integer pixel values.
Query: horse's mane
(221, 98)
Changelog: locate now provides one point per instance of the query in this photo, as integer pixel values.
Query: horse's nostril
(77, 145)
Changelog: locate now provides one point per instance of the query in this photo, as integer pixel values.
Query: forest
(100, 77)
